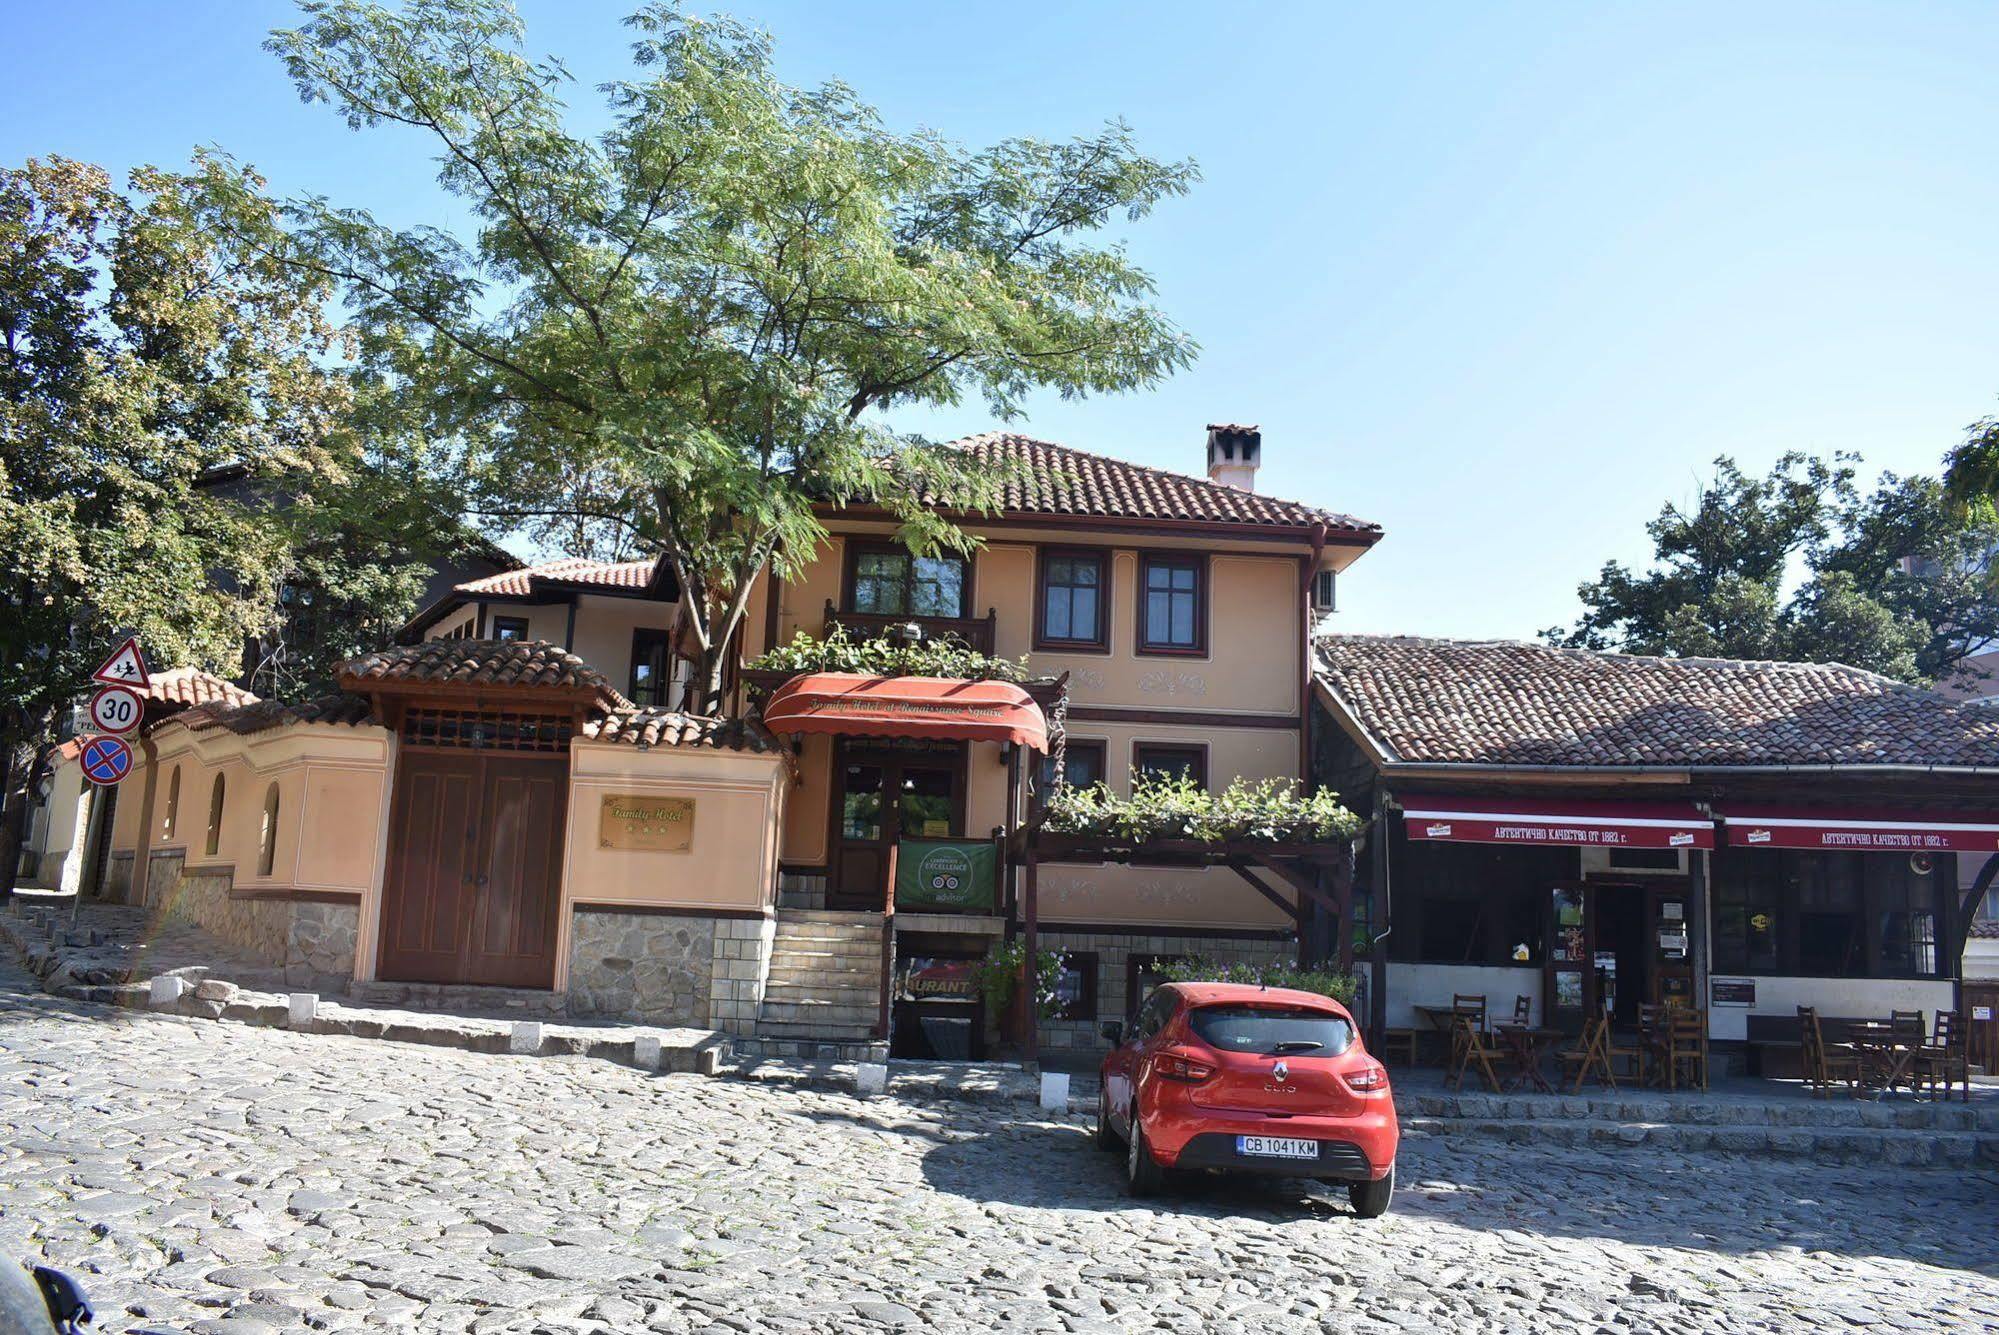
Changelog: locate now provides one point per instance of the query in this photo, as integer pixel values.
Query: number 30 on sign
(115, 709)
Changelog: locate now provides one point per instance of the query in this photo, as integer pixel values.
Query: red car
(1252, 1080)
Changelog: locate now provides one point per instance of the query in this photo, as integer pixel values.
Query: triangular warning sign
(125, 667)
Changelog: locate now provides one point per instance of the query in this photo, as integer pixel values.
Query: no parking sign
(105, 760)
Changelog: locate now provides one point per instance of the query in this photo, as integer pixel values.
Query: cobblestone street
(218, 1178)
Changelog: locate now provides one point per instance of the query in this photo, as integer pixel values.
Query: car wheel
(1370, 1199)
(1142, 1172)
(1106, 1133)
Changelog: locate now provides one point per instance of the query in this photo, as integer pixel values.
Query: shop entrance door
(883, 793)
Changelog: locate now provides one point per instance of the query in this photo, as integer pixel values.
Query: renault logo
(1279, 1071)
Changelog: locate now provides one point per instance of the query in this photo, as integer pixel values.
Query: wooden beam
(1297, 880)
(1291, 910)
(1029, 966)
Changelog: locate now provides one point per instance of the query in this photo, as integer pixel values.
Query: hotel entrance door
(884, 792)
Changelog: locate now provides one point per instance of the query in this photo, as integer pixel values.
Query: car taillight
(1184, 1069)
(1370, 1079)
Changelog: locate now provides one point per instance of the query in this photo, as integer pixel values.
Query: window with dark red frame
(1157, 758)
(1076, 987)
(888, 581)
(510, 628)
(652, 667)
(1082, 766)
(1072, 611)
(1172, 604)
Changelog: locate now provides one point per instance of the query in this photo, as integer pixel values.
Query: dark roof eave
(1337, 535)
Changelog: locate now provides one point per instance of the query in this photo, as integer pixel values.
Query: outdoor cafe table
(1885, 1058)
(1526, 1046)
(1441, 1019)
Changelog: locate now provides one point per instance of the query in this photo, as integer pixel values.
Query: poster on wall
(945, 874)
(1568, 990)
(646, 824)
(1732, 991)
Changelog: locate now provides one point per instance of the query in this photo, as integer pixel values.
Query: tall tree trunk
(13, 808)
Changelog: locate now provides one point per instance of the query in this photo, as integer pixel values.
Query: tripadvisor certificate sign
(653, 824)
(945, 874)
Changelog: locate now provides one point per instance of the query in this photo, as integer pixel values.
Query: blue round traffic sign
(106, 759)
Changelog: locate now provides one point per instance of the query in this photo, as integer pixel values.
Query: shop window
(1748, 911)
(1172, 604)
(652, 667)
(1076, 987)
(1082, 766)
(172, 822)
(1645, 859)
(1453, 931)
(886, 581)
(1071, 605)
(510, 628)
(214, 841)
(1523, 929)
(1903, 902)
(1142, 973)
(1159, 760)
(267, 834)
(1831, 943)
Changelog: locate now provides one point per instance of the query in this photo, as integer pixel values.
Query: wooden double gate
(474, 881)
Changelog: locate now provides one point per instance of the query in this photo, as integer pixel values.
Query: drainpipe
(1377, 955)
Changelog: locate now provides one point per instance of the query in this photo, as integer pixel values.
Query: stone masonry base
(668, 968)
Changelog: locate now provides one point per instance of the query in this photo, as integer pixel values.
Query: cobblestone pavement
(219, 1178)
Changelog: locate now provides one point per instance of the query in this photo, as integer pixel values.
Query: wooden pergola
(1318, 872)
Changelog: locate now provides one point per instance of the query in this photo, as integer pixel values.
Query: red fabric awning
(845, 704)
(1579, 822)
(1863, 829)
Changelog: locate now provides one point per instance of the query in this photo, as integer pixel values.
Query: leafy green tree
(146, 337)
(1800, 565)
(679, 335)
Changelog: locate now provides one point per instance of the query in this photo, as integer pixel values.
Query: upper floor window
(887, 581)
(1173, 604)
(1161, 760)
(510, 628)
(652, 667)
(1072, 611)
(1082, 766)
(214, 840)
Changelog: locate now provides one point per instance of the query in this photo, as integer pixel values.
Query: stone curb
(1829, 1145)
(191, 993)
(976, 1084)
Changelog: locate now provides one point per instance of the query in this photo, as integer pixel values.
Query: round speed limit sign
(115, 709)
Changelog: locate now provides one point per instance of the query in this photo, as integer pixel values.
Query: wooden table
(1526, 1047)
(1442, 1020)
(1882, 1049)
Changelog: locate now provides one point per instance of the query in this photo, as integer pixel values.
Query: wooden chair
(1686, 1047)
(1823, 1066)
(1908, 1027)
(1592, 1054)
(1523, 1010)
(1400, 1040)
(1945, 1057)
(1652, 1043)
(1473, 1048)
(1465, 1006)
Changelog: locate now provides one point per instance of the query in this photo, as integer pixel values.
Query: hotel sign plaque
(647, 824)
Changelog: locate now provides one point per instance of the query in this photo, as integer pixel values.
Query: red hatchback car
(1252, 1080)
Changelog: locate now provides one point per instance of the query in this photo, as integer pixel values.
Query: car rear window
(1270, 1029)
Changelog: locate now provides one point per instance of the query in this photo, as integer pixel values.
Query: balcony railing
(973, 632)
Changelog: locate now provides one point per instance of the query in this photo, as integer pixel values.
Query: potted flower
(999, 977)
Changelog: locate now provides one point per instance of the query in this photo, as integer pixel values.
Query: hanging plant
(1162, 808)
(836, 651)
(1341, 987)
(998, 977)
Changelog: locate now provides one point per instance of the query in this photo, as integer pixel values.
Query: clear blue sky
(1503, 278)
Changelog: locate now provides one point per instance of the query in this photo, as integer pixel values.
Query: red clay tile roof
(263, 715)
(1507, 703)
(652, 726)
(515, 663)
(192, 686)
(1063, 481)
(569, 570)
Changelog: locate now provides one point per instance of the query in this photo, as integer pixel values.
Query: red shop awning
(845, 704)
(1583, 822)
(1863, 829)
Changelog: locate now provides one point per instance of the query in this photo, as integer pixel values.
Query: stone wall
(669, 968)
(1114, 951)
(656, 967)
(312, 942)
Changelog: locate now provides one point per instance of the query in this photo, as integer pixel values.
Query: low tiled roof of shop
(1503, 702)
(650, 727)
(1058, 480)
(570, 570)
(263, 715)
(192, 686)
(1985, 929)
(506, 663)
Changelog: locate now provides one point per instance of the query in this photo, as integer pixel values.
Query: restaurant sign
(1882, 832)
(1581, 824)
(945, 874)
(1732, 991)
(648, 824)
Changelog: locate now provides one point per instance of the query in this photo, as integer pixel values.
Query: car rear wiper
(1296, 1045)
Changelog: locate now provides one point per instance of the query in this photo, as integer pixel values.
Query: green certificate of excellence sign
(947, 874)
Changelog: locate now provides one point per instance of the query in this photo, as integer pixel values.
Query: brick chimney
(1233, 454)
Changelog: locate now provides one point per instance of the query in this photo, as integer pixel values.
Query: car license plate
(1270, 1147)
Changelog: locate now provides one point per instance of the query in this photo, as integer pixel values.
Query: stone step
(459, 998)
(1870, 1145)
(839, 934)
(820, 1011)
(865, 980)
(815, 1031)
(827, 953)
(1693, 1109)
(828, 917)
(774, 1048)
(777, 1001)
